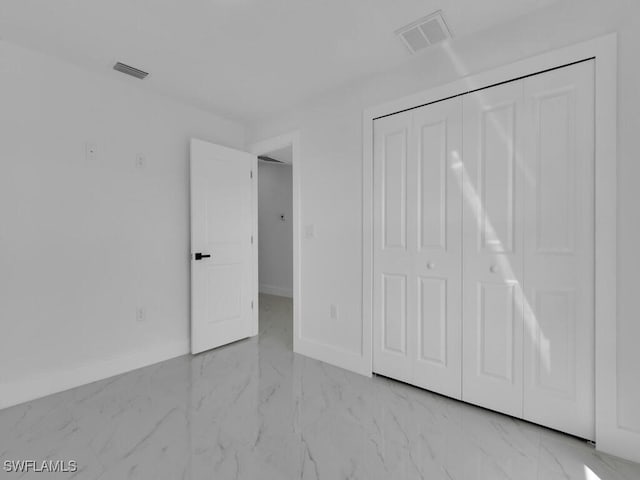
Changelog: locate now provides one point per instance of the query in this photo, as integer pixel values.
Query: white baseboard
(14, 393)
(273, 290)
(337, 357)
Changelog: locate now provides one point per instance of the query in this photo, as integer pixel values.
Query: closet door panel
(492, 248)
(432, 342)
(417, 247)
(393, 285)
(437, 260)
(496, 318)
(559, 250)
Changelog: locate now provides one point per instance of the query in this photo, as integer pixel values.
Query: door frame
(611, 437)
(260, 148)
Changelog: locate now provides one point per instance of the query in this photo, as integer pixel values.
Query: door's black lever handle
(200, 256)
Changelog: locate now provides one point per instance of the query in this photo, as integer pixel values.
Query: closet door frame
(611, 436)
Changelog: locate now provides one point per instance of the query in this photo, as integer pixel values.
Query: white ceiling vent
(129, 70)
(424, 32)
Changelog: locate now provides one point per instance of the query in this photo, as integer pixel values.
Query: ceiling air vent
(424, 32)
(265, 158)
(129, 70)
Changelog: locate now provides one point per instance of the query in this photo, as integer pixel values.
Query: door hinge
(251, 174)
(251, 304)
(251, 239)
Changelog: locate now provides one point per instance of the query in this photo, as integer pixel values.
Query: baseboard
(278, 291)
(14, 393)
(337, 357)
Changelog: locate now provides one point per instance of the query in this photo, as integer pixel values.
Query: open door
(222, 253)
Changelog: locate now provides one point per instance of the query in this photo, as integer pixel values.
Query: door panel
(553, 360)
(552, 172)
(221, 226)
(394, 318)
(432, 189)
(492, 248)
(559, 250)
(432, 323)
(393, 269)
(496, 318)
(394, 186)
(496, 172)
(437, 132)
(226, 280)
(417, 253)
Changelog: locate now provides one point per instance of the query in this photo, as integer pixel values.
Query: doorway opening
(277, 272)
(275, 244)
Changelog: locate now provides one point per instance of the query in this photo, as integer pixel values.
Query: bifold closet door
(492, 186)
(484, 248)
(559, 250)
(417, 247)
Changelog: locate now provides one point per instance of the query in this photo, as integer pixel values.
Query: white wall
(275, 237)
(83, 243)
(331, 172)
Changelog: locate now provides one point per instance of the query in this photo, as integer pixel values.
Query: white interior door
(492, 248)
(221, 245)
(417, 256)
(559, 250)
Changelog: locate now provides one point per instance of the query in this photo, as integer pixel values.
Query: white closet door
(417, 247)
(483, 248)
(394, 299)
(492, 248)
(559, 250)
(437, 262)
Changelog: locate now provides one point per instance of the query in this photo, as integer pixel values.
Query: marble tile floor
(255, 410)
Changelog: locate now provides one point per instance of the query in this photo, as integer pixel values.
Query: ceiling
(244, 59)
